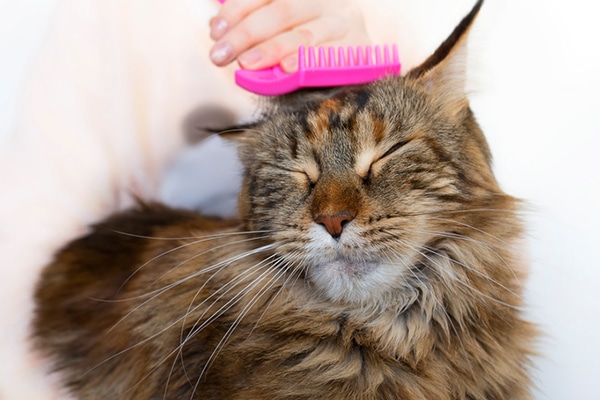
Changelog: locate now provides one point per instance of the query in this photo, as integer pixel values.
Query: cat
(374, 257)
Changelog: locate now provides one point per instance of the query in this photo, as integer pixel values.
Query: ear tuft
(444, 72)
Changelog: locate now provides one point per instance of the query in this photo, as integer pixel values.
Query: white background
(536, 85)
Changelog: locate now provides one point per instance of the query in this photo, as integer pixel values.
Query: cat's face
(357, 187)
(361, 184)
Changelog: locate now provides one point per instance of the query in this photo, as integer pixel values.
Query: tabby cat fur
(374, 257)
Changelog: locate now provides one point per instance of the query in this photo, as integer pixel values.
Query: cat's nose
(334, 223)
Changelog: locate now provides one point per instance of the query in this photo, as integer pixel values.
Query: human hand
(263, 33)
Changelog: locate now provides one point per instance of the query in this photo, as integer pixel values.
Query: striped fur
(375, 257)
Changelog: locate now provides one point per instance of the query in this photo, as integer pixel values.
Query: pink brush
(352, 66)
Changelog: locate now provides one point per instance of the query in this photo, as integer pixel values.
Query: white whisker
(222, 263)
(205, 252)
(447, 235)
(195, 242)
(470, 227)
(436, 299)
(270, 283)
(195, 328)
(222, 291)
(460, 211)
(440, 268)
(207, 237)
(287, 266)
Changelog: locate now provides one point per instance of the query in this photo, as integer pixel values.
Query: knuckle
(307, 37)
(275, 49)
(242, 36)
(284, 10)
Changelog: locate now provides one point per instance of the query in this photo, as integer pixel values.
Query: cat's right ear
(444, 72)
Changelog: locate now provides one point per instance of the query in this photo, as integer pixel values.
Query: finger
(261, 25)
(285, 46)
(330, 32)
(230, 14)
(283, 49)
(271, 52)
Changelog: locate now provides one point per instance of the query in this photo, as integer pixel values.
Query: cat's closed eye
(306, 175)
(311, 173)
(370, 162)
(394, 148)
(305, 180)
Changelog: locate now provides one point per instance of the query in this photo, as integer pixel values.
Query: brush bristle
(321, 57)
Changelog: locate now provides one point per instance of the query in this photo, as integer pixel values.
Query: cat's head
(360, 185)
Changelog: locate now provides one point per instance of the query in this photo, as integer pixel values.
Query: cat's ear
(296, 101)
(240, 132)
(444, 72)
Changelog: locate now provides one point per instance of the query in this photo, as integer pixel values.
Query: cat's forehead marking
(320, 120)
(378, 128)
(329, 105)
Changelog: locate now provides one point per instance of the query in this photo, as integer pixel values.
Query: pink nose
(334, 223)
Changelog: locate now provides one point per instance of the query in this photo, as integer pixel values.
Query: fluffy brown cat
(374, 258)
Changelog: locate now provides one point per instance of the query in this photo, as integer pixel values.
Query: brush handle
(352, 66)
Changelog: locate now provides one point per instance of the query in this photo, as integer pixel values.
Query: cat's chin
(351, 268)
(356, 282)
(345, 271)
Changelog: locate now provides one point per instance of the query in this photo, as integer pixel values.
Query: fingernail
(290, 64)
(218, 27)
(250, 58)
(221, 53)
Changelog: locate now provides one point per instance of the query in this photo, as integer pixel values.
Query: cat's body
(375, 258)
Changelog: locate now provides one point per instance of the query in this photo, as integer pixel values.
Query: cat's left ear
(291, 102)
(240, 133)
(444, 72)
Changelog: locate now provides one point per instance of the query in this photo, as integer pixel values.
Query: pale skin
(262, 33)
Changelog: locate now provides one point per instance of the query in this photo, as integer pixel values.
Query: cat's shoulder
(145, 219)
(115, 245)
